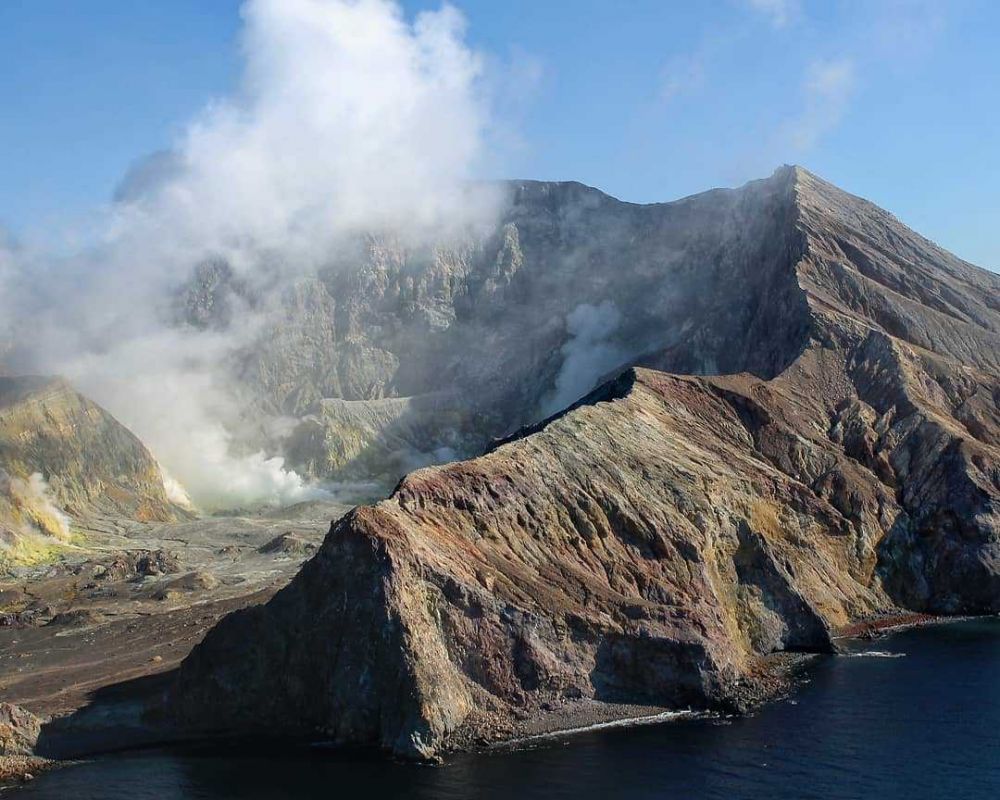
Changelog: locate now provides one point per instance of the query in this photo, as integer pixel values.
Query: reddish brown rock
(654, 544)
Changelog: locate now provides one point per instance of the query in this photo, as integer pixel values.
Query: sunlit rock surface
(64, 458)
(656, 542)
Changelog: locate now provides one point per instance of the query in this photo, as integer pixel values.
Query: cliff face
(657, 541)
(62, 456)
(732, 280)
(920, 333)
(485, 324)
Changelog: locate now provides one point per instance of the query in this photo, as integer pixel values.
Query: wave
(626, 722)
(874, 654)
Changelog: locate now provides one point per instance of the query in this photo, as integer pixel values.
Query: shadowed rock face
(655, 542)
(90, 463)
(487, 320)
(477, 331)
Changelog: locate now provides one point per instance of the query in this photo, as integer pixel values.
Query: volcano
(794, 429)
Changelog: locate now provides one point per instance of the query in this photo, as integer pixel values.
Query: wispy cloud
(893, 35)
(827, 89)
(513, 84)
(779, 13)
(902, 31)
(682, 74)
(689, 72)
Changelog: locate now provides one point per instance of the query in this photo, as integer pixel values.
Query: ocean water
(914, 715)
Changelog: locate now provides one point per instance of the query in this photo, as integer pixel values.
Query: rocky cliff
(570, 285)
(62, 457)
(655, 543)
(501, 327)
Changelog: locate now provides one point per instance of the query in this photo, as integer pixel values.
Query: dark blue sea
(914, 715)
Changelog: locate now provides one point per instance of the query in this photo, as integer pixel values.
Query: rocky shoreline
(16, 770)
(133, 718)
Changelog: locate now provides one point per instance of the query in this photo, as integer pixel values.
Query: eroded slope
(650, 546)
(655, 543)
(63, 457)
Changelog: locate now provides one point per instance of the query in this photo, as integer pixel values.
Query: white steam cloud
(588, 355)
(350, 117)
(32, 504)
(828, 88)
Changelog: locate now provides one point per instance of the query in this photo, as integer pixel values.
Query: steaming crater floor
(132, 603)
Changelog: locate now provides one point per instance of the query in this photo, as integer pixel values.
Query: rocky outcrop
(658, 541)
(378, 439)
(64, 458)
(19, 730)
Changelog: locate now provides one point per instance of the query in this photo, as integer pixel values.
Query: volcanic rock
(191, 582)
(287, 543)
(19, 730)
(658, 541)
(61, 457)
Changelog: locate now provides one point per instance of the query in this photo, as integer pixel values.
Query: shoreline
(877, 628)
(655, 718)
(572, 720)
(18, 770)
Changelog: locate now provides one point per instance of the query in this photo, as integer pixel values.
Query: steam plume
(350, 117)
(588, 355)
(29, 506)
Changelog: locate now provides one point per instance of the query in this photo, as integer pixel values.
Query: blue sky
(896, 100)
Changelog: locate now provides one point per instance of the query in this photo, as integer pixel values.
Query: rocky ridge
(391, 334)
(658, 541)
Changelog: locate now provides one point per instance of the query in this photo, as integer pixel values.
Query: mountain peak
(862, 264)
